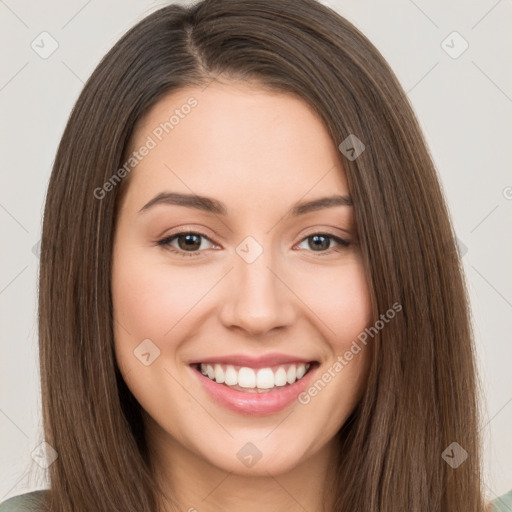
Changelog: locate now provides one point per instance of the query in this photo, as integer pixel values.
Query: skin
(259, 153)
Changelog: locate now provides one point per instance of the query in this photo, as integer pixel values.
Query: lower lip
(255, 404)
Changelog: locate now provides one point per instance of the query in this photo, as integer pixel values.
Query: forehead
(238, 142)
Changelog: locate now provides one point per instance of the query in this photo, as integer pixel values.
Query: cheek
(150, 299)
(147, 305)
(155, 302)
(340, 299)
(144, 308)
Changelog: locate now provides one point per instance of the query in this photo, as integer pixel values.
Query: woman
(250, 293)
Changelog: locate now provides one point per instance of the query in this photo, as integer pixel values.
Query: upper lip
(252, 361)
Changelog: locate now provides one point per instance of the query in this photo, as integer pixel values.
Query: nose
(257, 299)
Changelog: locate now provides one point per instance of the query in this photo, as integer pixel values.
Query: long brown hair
(421, 393)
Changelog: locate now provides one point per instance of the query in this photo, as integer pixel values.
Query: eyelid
(165, 240)
(328, 230)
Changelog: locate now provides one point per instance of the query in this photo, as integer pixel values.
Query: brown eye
(322, 242)
(319, 242)
(188, 243)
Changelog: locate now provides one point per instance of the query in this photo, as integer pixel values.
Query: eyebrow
(211, 205)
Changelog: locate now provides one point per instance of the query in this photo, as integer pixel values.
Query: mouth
(254, 385)
(247, 379)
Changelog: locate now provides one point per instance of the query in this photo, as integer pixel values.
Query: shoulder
(33, 502)
(28, 502)
(501, 504)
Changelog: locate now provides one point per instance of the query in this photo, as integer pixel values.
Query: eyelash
(165, 242)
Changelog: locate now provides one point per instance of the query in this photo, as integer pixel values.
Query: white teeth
(280, 377)
(262, 378)
(291, 374)
(265, 379)
(219, 374)
(246, 378)
(231, 376)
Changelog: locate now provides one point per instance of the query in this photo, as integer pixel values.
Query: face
(244, 282)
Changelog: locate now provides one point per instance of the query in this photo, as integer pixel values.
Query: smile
(255, 390)
(255, 380)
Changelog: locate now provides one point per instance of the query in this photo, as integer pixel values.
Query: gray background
(463, 104)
